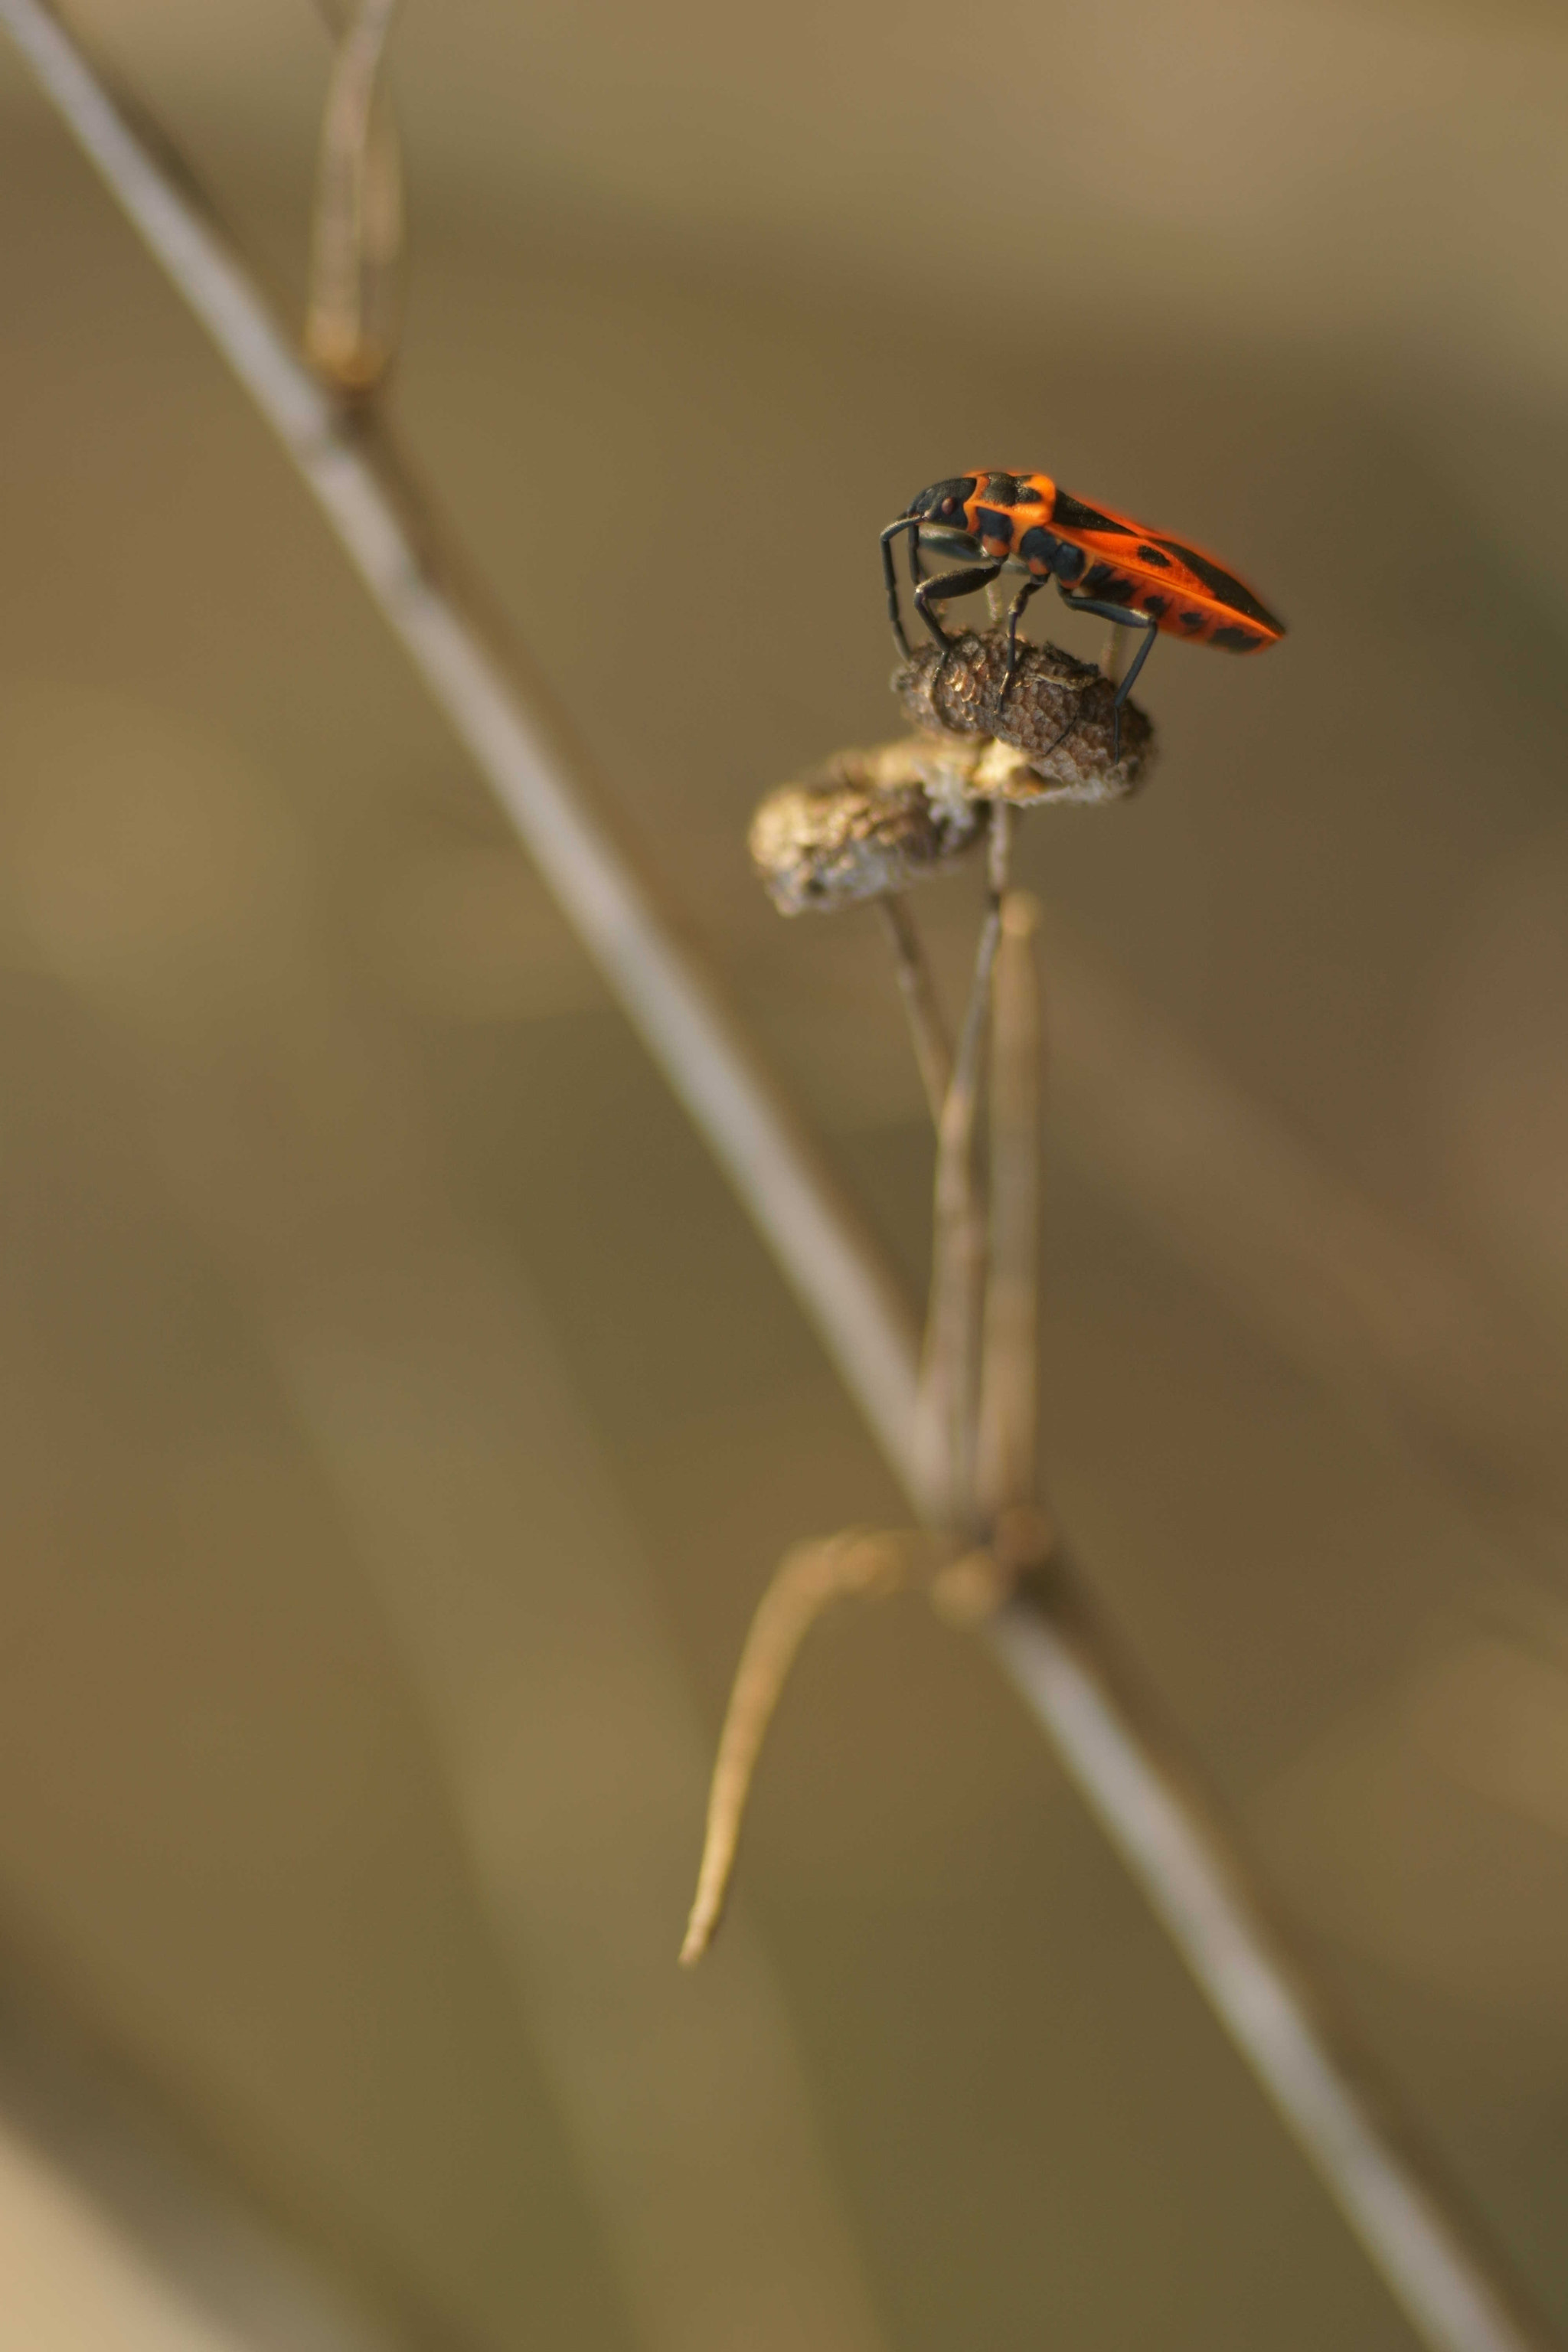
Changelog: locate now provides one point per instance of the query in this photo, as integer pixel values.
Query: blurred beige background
(400, 1418)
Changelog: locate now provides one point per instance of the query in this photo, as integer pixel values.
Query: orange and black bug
(1101, 562)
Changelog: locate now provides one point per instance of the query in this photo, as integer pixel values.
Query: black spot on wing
(1191, 620)
(1238, 641)
(1154, 555)
(1071, 514)
(1104, 581)
(1224, 586)
(1156, 606)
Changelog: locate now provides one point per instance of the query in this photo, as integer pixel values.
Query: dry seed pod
(867, 823)
(1053, 735)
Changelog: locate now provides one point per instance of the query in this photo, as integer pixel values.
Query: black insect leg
(1123, 615)
(911, 524)
(1151, 631)
(946, 585)
(1014, 614)
(1126, 618)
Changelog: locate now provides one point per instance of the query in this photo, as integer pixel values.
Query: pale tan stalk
(933, 1051)
(1007, 1468)
(807, 1581)
(948, 1404)
(351, 324)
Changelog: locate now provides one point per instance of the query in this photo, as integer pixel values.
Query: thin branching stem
(807, 1580)
(928, 1030)
(948, 1406)
(357, 242)
(1007, 1471)
(1450, 2284)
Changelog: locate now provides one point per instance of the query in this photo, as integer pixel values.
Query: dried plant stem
(948, 1405)
(351, 322)
(933, 1051)
(1113, 658)
(538, 770)
(1008, 1470)
(807, 1580)
(1450, 2284)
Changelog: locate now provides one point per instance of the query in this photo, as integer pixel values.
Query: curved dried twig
(807, 1580)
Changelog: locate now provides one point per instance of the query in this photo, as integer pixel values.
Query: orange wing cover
(1181, 588)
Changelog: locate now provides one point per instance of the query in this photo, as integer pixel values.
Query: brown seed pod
(1056, 721)
(867, 822)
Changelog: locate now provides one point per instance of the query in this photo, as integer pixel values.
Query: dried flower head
(867, 823)
(1052, 734)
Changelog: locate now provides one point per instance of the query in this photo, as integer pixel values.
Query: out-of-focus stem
(948, 1405)
(933, 1052)
(807, 1580)
(1450, 2282)
(1179, 1848)
(1007, 1468)
(351, 323)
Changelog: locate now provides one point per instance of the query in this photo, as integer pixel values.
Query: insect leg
(1123, 614)
(911, 524)
(1014, 614)
(1128, 619)
(949, 583)
(1151, 631)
